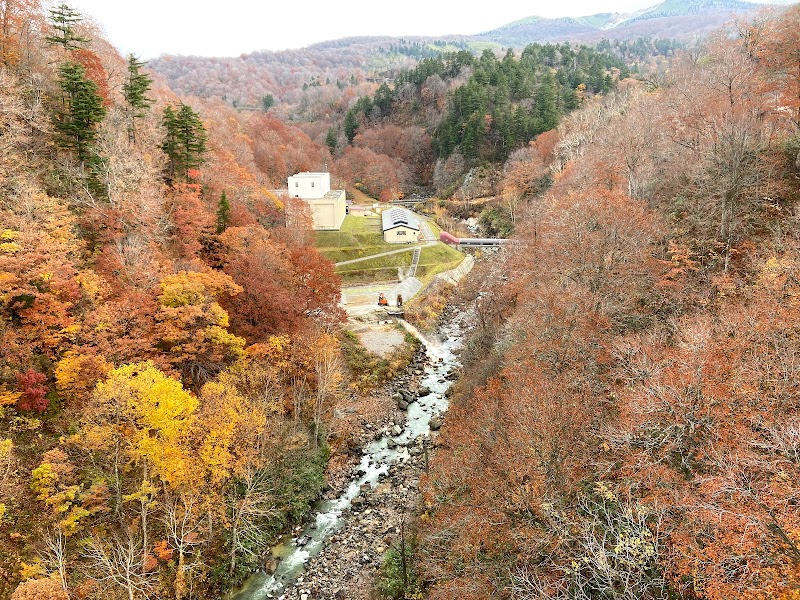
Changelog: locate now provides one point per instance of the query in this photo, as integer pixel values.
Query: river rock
(402, 405)
(435, 423)
(423, 391)
(390, 443)
(397, 430)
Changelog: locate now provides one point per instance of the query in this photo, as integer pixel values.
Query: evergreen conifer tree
(135, 92)
(350, 125)
(331, 140)
(184, 142)
(223, 213)
(63, 20)
(83, 111)
(545, 107)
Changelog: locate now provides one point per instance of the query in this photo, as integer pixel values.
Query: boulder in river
(435, 423)
(423, 391)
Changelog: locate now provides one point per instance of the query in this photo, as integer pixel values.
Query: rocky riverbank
(347, 565)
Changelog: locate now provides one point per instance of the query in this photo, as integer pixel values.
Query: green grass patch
(440, 254)
(368, 371)
(401, 259)
(361, 237)
(437, 259)
(336, 255)
(358, 237)
(350, 278)
(432, 260)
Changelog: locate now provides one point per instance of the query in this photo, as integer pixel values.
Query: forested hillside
(395, 113)
(627, 422)
(322, 72)
(452, 113)
(169, 342)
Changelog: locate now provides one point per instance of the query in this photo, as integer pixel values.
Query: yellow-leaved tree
(195, 326)
(139, 427)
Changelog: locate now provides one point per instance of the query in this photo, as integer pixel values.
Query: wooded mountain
(246, 79)
(153, 307)
(627, 425)
(678, 19)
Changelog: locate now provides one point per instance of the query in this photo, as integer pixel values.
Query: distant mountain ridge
(679, 19)
(286, 75)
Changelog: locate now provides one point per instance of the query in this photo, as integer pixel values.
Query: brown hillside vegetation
(628, 424)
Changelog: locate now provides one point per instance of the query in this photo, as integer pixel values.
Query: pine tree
(350, 125)
(170, 145)
(331, 140)
(83, 111)
(223, 213)
(63, 19)
(184, 142)
(135, 92)
(545, 107)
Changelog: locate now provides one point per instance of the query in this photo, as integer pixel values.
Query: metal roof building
(400, 226)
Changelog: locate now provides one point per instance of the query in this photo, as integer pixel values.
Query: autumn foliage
(627, 423)
(161, 421)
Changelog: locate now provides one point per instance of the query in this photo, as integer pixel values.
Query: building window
(312, 184)
(401, 233)
(296, 184)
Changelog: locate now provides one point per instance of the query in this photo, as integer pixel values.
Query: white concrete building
(400, 226)
(328, 207)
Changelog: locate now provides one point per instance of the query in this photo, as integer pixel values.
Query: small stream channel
(328, 516)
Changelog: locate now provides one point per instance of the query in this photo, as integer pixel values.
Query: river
(328, 516)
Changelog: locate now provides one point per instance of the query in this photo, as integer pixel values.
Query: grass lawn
(435, 259)
(359, 236)
(432, 260)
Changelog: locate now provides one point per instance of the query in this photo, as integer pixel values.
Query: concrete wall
(401, 235)
(453, 276)
(329, 212)
(309, 185)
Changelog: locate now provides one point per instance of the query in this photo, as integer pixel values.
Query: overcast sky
(149, 28)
